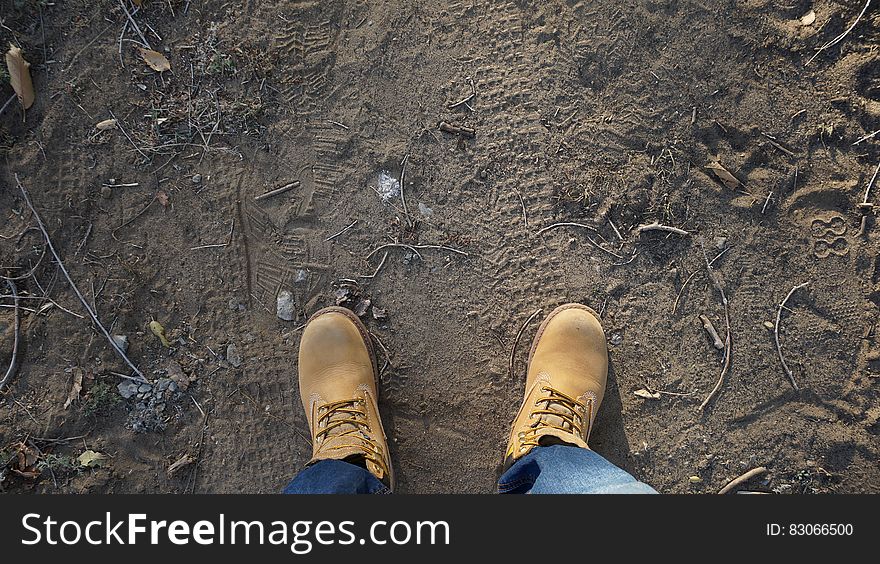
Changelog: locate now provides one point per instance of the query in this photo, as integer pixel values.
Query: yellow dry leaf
(159, 331)
(809, 18)
(724, 175)
(20, 76)
(647, 394)
(106, 124)
(155, 60)
(91, 459)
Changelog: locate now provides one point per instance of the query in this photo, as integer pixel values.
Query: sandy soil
(602, 113)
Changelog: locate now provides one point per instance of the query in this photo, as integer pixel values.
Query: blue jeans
(557, 469)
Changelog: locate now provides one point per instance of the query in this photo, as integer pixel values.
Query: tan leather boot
(337, 384)
(568, 368)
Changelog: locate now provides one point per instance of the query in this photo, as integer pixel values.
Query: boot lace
(557, 411)
(347, 421)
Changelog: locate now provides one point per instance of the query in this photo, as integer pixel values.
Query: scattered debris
(176, 374)
(20, 76)
(154, 59)
(285, 308)
(425, 210)
(350, 296)
(151, 412)
(715, 278)
(759, 471)
(344, 230)
(92, 314)
(75, 388)
(379, 314)
(776, 333)
(710, 329)
(159, 331)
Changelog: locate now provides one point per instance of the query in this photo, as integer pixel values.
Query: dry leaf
(106, 124)
(92, 459)
(155, 60)
(809, 18)
(724, 175)
(20, 76)
(76, 388)
(159, 331)
(647, 394)
(163, 198)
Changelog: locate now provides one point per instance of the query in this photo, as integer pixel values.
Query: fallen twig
(465, 100)
(660, 227)
(713, 334)
(865, 138)
(335, 235)
(516, 341)
(728, 339)
(218, 245)
(457, 129)
(70, 281)
(776, 334)
(842, 36)
(870, 184)
(731, 485)
(277, 191)
(13, 362)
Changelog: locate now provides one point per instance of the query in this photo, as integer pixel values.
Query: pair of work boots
(568, 368)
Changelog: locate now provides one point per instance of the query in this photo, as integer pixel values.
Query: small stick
(218, 245)
(660, 227)
(465, 100)
(70, 281)
(731, 485)
(134, 25)
(516, 341)
(457, 129)
(13, 363)
(710, 329)
(378, 268)
(842, 36)
(728, 339)
(767, 201)
(122, 129)
(773, 142)
(403, 190)
(776, 334)
(581, 225)
(335, 235)
(614, 227)
(9, 101)
(393, 245)
(522, 203)
(865, 138)
(277, 191)
(870, 184)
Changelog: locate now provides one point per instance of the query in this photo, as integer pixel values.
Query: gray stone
(127, 389)
(232, 355)
(145, 388)
(121, 342)
(285, 306)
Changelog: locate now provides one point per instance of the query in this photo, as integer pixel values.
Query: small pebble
(127, 389)
(197, 179)
(106, 192)
(616, 339)
(285, 306)
(769, 326)
(145, 388)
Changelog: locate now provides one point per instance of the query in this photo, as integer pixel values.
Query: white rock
(285, 306)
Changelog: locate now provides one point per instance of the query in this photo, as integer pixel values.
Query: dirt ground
(601, 113)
